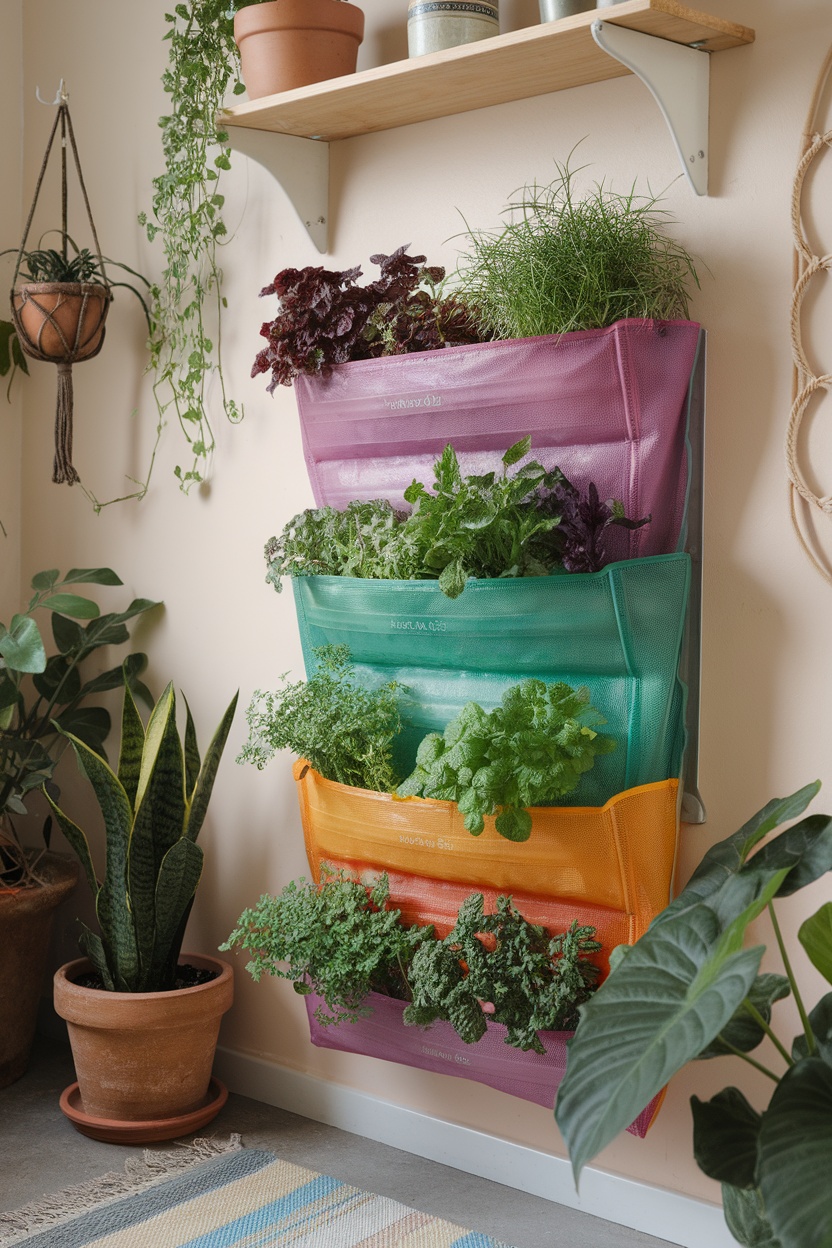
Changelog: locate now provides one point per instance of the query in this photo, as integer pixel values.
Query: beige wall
(766, 678)
(11, 416)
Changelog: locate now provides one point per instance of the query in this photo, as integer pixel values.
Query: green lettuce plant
(530, 750)
(688, 990)
(153, 808)
(43, 697)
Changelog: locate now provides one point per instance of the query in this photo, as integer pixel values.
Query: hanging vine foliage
(187, 214)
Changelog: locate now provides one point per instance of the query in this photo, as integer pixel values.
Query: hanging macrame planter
(61, 322)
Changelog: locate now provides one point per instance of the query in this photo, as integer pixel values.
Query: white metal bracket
(301, 166)
(679, 78)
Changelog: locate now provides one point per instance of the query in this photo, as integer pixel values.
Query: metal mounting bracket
(301, 166)
(679, 78)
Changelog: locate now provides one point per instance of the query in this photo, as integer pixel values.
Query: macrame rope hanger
(62, 323)
(806, 383)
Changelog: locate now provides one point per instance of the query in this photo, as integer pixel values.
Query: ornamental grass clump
(565, 261)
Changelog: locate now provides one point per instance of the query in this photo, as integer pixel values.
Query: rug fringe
(138, 1173)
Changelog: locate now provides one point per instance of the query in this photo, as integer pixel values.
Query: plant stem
(751, 1061)
(804, 1018)
(761, 1022)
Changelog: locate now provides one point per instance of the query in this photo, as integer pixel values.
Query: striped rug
(242, 1199)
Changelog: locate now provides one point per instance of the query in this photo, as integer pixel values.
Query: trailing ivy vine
(187, 213)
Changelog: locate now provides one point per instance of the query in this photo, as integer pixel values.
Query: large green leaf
(192, 759)
(665, 1001)
(118, 936)
(796, 1156)
(69, 636)
(815, 935)
(727, 857)
(160, 815)
(45, 580)
(90, 724)
(806, 849)
(208, 772)
(820, 1021)
(109, 630)
(72, 604)
(746, 1218)
(59, 680)
(77, 840)
(725, 1132)
(743, 1032)
(178, 879)
(21, 646)
(91, 576)
(132, 746)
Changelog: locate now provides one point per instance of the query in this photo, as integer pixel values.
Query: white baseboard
(653, 1210)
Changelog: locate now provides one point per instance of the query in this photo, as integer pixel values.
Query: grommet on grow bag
(62, 322)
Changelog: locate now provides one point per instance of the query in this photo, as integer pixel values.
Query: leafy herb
(533, 981)
(493, 525)
(342, 941)
(564, 262)
(345, 731)
(326, 318)
(530, 750)
(339, 940)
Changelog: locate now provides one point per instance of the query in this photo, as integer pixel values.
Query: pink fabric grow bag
(529, 1076)
(605, 405)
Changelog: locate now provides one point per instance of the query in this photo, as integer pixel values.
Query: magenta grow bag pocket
(529, 1076)
(605, 405)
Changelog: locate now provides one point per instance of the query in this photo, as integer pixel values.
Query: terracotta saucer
(113, 1131)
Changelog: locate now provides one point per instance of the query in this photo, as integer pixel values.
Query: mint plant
(530, 750)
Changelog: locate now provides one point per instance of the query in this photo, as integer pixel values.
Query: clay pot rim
(256, 19)
(63, 871)
(201, 960)
(65, 288)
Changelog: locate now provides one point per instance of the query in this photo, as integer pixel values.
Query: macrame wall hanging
(804, 502)
(62, 322)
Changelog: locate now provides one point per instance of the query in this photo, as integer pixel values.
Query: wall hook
(61, 97)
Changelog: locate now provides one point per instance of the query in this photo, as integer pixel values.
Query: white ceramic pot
(433, 25)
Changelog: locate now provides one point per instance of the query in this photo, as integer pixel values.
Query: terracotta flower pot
(61, 321)
(144, 1056)
(291, 43)
(26, 916)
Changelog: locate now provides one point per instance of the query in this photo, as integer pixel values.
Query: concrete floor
(41, 1152)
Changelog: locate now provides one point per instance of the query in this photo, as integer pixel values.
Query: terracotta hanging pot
(286, 44)
(143, 1059)
(61, 321)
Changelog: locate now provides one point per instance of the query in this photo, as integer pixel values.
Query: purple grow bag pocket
(529, 1076)
(605, 405)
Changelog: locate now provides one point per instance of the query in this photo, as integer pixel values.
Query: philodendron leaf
(72, 604)
(667, 999)
(820, 1021)
(727, 857)
(806, 849)
(795, 1156)
(725, 1131)
(743, 1032)
(21, 646)
(815, 935)
(746, 1218)
(91, 576)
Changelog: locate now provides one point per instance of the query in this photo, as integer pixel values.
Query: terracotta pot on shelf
(26, 916)
(61, 321)
(286, 44)
(143, 1059)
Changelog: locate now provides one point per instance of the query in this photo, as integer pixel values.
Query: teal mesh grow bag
(618, 632)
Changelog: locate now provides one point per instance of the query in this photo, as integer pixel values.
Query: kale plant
(530, 523)
(533, 981)
(339, 940)
(345, 731)
(530, 750)
(326, 318)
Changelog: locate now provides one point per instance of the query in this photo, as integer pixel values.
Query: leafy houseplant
(564, 262)
(143, 1029)
(528, 524)
(688, 989)
(343, 942)
(38, 696)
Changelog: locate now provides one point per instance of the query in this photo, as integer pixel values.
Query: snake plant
(153, 808)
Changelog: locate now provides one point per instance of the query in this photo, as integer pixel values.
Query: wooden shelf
(524, 63)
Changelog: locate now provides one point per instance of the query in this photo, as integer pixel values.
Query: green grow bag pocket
(618, 632)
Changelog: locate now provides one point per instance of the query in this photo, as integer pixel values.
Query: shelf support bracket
(301, 166)
(679, 78)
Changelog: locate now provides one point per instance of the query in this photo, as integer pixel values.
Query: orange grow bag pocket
(618, 856)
